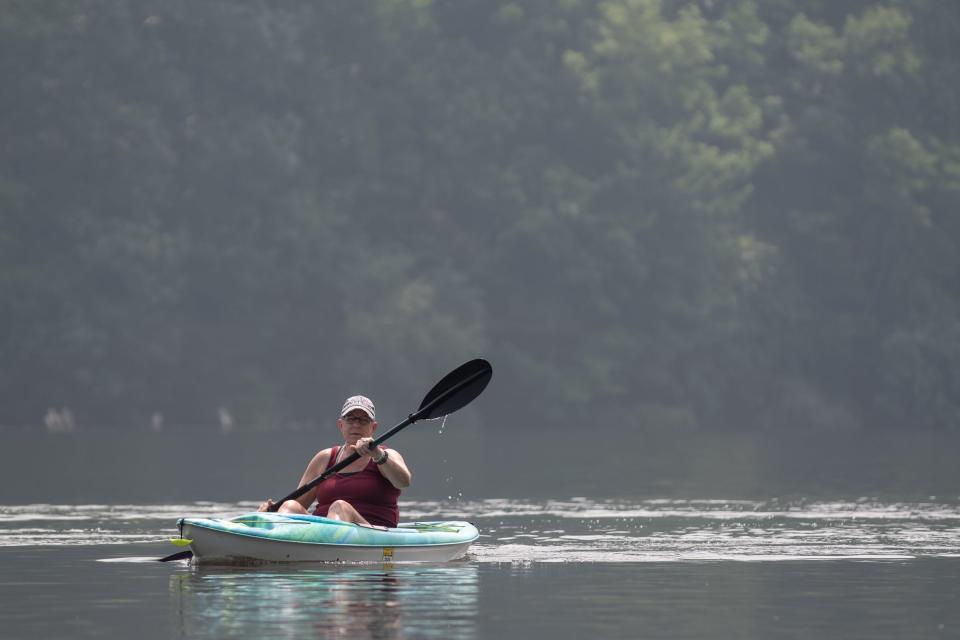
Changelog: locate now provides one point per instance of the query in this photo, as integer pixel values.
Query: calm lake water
(572, 568)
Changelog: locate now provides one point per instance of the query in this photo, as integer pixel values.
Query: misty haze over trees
(675, 214)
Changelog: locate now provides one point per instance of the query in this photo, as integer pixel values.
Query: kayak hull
(271, 537)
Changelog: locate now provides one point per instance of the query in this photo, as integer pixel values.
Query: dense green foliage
(670, 213)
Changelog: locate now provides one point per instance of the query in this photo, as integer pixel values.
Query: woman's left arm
(393, 468)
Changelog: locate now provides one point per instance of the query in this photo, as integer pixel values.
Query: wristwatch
(383, 458)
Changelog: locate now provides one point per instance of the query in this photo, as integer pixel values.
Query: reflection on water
(574, 568)
(327, 601)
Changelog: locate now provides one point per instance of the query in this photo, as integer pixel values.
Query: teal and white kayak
(275, 537)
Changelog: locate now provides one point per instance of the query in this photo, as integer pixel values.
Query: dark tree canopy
(675, 214)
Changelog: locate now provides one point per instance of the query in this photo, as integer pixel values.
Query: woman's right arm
(314, 468)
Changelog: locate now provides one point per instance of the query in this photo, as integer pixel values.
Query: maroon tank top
(367, 491)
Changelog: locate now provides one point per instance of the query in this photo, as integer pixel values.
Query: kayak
(275, 537)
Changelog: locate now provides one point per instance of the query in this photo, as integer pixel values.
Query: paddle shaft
(353, 457)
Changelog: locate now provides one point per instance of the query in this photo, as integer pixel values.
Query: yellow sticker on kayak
(181, 542)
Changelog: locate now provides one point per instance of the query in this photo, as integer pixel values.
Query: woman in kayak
(364, 492)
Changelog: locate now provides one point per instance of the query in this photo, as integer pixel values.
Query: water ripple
(577, 529)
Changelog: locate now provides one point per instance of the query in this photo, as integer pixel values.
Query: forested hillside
(674, 214)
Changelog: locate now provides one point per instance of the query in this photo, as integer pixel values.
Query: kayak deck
(273, 537)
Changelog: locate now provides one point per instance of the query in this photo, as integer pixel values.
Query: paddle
(456, 390)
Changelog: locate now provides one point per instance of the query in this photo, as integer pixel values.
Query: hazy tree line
(672, 214)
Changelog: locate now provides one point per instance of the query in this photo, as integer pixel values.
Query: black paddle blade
(180, 555)
(457, 389)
